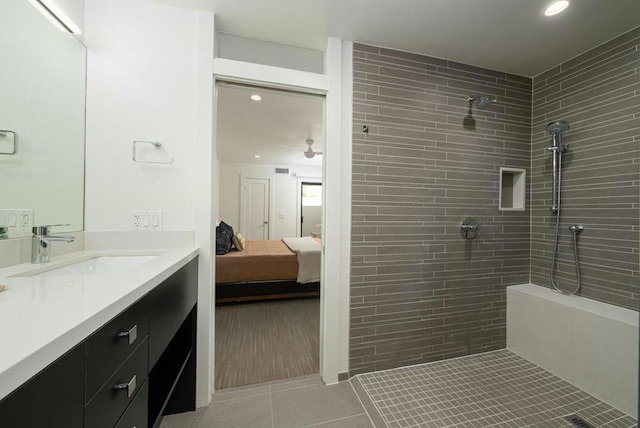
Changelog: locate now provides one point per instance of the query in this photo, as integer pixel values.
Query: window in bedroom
(311, 210)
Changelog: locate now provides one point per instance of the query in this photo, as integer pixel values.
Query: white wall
(285, 201)
(284, 197)
(141, 72)
(150, 77)
(268, 53)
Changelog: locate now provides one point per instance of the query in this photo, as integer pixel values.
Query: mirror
(42, 122)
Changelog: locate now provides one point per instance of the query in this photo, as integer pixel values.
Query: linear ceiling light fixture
(56, 15)
(556, 7)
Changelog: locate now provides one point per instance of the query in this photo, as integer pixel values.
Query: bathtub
(590, 344)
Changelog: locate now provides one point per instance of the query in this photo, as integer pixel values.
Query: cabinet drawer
(108, 347)
(106, 407)
(136, 415)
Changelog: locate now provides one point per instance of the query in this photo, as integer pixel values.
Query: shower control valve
(469, 228)
(575, 228)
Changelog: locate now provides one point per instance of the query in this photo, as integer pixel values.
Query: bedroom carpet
(265, 341)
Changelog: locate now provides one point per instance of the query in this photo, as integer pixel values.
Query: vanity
(113, 347)
(93, 338)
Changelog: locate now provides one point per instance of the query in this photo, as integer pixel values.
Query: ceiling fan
(309, 153)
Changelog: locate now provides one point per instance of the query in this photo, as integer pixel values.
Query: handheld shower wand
(557, 148)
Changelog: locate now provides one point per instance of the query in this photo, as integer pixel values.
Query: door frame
(270, 211)
(337, 85)
(299, 198)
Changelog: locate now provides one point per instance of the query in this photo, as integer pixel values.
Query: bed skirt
(264, 290)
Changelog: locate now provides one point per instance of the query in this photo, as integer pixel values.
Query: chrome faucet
(41, 243)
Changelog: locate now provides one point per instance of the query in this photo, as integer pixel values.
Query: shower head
(557, 126)
(481, 101)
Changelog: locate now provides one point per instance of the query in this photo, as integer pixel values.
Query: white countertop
(41, 318)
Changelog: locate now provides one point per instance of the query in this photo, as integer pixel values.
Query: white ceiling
(507, 35)
(246, 128)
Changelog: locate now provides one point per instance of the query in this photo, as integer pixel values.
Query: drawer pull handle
(130, 386)
(132, 334)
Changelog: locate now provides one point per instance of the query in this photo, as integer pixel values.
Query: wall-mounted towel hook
(155, 144)
(9, 137)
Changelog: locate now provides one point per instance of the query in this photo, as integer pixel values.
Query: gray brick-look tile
(420, 292)
(429, 293)
(599, 95)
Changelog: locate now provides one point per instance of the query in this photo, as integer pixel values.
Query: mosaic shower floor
(493, 389)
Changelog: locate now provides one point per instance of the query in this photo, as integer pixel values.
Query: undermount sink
(93, 266)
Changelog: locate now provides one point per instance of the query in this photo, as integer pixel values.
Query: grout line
(271, 404)
(297, 387)
(334, 420)
(218, 395)
(240, 398)
(362, 404)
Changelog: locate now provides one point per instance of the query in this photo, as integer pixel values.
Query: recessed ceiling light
(556, 7)
(256, 97)
(256, 156)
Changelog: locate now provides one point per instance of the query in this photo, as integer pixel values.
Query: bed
(269, 269)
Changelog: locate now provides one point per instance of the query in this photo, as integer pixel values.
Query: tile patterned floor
(494, 389)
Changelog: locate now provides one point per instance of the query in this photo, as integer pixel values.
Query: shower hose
(555, 242)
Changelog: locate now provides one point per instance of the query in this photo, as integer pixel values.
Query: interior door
(311, 209)
(255, 208)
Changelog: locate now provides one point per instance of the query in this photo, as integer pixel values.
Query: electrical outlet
(146, 220)
(18, 219)
(23, 219)
(136, 220)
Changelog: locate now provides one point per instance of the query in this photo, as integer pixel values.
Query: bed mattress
(269, 260)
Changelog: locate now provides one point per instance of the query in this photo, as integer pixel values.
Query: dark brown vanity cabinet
(54, 398)
(137, 367)
(172, 345)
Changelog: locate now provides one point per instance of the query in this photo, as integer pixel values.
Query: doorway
(269, 327)
(255, 208)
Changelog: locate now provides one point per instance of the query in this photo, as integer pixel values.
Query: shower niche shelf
(512, 189)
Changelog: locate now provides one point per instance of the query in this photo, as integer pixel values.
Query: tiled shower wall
(599, 94)
(419, 290)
